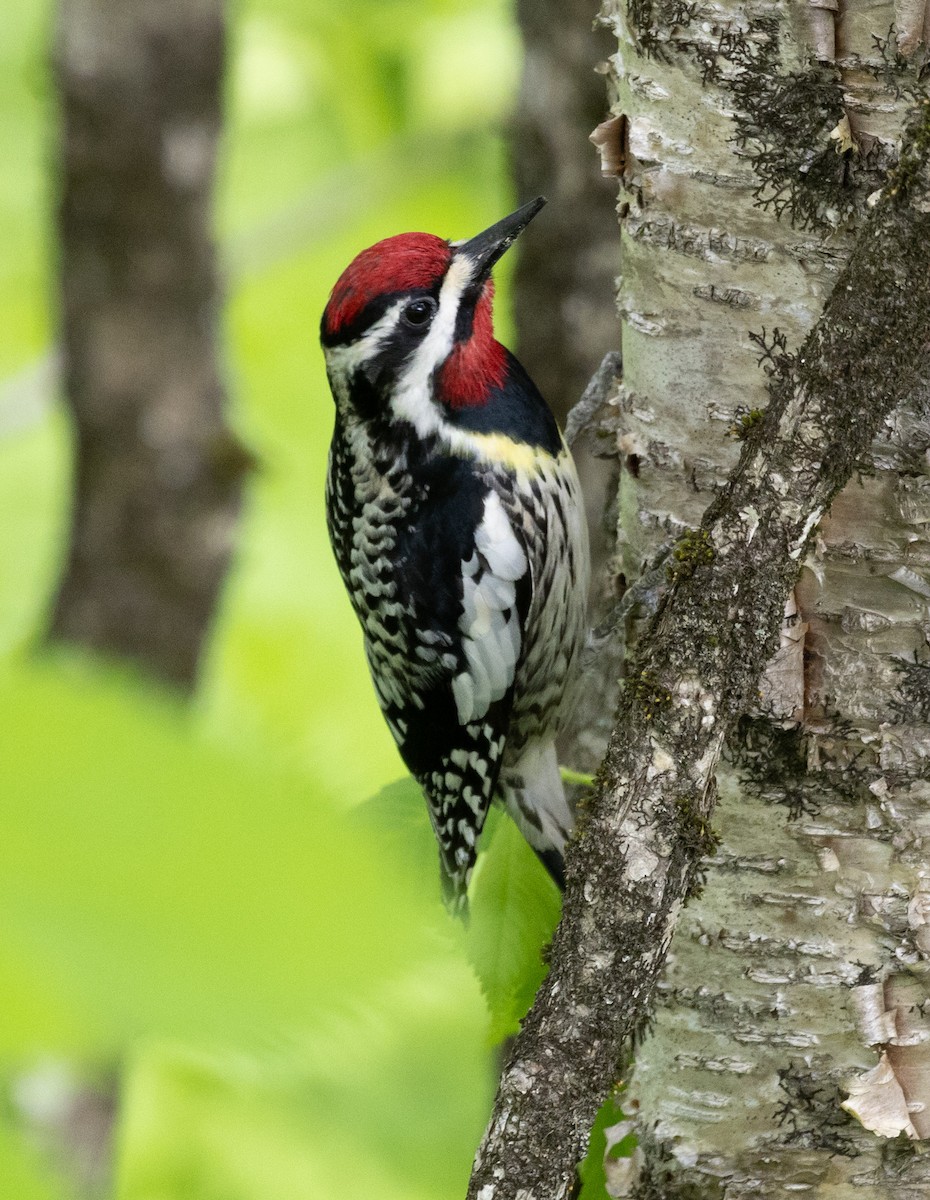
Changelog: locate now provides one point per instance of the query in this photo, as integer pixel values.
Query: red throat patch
(397, 264)
(476, 366)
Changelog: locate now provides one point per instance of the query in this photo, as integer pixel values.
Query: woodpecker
(456, 519)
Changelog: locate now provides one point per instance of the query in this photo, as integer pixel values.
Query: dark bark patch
(912, 704)
(651, 22)
(811, 1115)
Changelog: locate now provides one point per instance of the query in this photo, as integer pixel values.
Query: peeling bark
(741, 1083)
(912, 25)
(157, 474)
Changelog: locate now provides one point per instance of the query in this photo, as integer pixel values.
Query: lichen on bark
(742, 1079)
(819, 775)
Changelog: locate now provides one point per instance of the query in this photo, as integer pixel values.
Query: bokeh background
(224, 970)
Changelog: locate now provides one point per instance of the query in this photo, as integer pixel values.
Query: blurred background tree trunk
(567, 264)
(789, 1047)
(157, 475)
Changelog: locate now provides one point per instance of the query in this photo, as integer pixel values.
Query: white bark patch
(799, 545)
(822, 17)
(911, 580)
(876, 1100)
(685, 1153)
(918, 918)
(909, 19)
(640, 861)
(632, 443)
(751, 519)
(648, 143)
(643, 324)
(706, 764)
(782, 684)
(522, 1080)
(723, 1066)
(894, 1096)
(691, 694)
(620, 1173)
(877, 1023)
(662, 762)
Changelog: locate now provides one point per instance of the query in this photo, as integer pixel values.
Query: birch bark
(787, 1053)
(566, 266)
(789, 1046)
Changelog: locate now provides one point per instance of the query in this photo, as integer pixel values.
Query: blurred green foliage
(200, 903)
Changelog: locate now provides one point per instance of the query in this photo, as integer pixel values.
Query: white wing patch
(496, 540)
(489, 622)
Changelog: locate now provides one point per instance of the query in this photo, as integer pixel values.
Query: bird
(457, 523)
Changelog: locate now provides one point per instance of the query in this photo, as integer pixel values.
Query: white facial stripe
(343, 361)
(412, 400)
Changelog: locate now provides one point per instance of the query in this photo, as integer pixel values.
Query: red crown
(397, 264)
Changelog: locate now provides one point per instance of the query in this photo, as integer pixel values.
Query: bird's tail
(532, 792)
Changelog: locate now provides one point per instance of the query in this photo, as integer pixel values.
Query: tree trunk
(752, 142)
(757, 147)
(157, 476)
(567, 263)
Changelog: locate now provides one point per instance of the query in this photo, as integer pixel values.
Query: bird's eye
(418, 312)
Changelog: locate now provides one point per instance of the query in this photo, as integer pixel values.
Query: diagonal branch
(637, 856)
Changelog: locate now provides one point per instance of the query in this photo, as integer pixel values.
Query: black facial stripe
(373, 379)
(465, 317)
(373, 311)
(364, 397)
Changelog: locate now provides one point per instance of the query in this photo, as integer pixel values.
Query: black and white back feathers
(457, 523)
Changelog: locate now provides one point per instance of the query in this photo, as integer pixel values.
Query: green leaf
(153, 881)
(592, 1170)
(515, 908)
(388, 1101)
(398, 819)
(22, 1175)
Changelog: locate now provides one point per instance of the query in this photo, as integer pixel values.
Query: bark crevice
(636, 859)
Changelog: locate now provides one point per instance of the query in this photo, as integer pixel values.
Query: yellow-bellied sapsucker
(457, 522)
